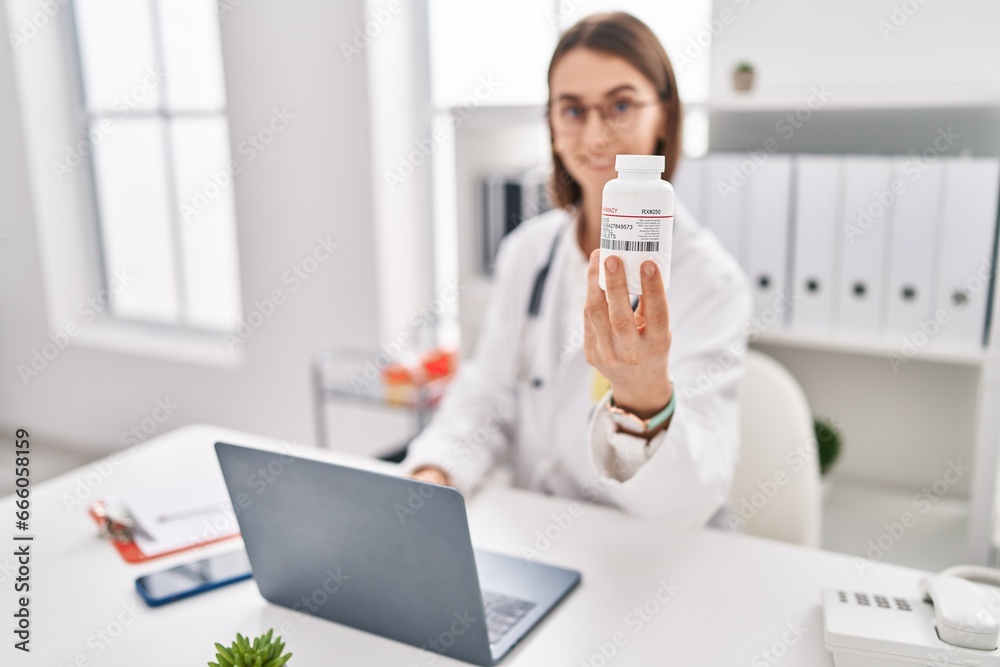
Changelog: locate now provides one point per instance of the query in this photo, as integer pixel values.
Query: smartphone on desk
(184, 581)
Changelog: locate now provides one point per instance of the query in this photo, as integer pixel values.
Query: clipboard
(121, 531)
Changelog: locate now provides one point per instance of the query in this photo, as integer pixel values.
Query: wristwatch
(633, 425)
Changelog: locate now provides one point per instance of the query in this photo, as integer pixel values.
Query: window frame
(163, 113)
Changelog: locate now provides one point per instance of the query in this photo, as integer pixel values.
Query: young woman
(583, 396)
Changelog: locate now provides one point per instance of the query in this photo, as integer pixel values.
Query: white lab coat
(553, 435)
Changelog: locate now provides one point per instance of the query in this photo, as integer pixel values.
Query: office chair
(776, 487)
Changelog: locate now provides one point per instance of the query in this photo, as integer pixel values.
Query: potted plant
(743, 75)
(828, 446)
(262, 653)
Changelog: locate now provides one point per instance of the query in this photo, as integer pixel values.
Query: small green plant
(262, 653)
(744, 66)
(828, 441)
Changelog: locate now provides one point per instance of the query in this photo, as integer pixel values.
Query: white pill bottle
(637, 218)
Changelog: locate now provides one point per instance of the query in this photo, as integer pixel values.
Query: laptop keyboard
(502, 613)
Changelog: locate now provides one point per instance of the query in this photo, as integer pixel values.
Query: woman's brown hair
(627, 37)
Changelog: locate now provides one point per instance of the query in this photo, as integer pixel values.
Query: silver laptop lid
(388, 555)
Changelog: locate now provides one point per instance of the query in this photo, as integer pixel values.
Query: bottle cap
(655, 163)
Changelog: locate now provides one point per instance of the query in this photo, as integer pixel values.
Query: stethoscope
(527, 347)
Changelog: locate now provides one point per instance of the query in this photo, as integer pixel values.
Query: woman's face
(587, 143)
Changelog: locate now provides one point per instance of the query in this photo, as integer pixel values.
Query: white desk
(738, 595)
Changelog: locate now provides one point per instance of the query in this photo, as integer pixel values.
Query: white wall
(313, 181)
(855, 45)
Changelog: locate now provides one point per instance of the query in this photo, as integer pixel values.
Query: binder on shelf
(968, 227)
(816, 242)
(724, 198)
(766, 238)
(689, 187)
(508, 200)
(913, 249)
(867, 212)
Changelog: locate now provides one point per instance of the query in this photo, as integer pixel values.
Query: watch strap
(660, 417)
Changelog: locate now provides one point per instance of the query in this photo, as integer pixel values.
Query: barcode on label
(631, 246)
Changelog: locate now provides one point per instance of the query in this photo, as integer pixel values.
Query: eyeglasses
(569, 118)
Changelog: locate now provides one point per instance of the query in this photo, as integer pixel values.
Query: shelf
(874, 348)
(764, 102)
(841, 99)
(852, 99)
(346, 374)
(378, 394)
(857, 511)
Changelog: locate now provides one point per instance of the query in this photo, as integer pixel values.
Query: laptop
(384, 554)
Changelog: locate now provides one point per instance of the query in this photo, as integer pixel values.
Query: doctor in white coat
(582, 396)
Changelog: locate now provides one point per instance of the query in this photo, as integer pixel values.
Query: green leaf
(277, 662)
(828, 442)
(224, 653)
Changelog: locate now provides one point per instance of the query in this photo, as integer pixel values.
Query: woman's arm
(472, 429)
(684, 473)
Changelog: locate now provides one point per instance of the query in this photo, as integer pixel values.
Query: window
(155, 123)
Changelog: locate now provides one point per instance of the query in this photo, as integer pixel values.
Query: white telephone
(954, 623)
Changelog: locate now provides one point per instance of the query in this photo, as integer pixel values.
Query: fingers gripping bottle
(637, 218)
